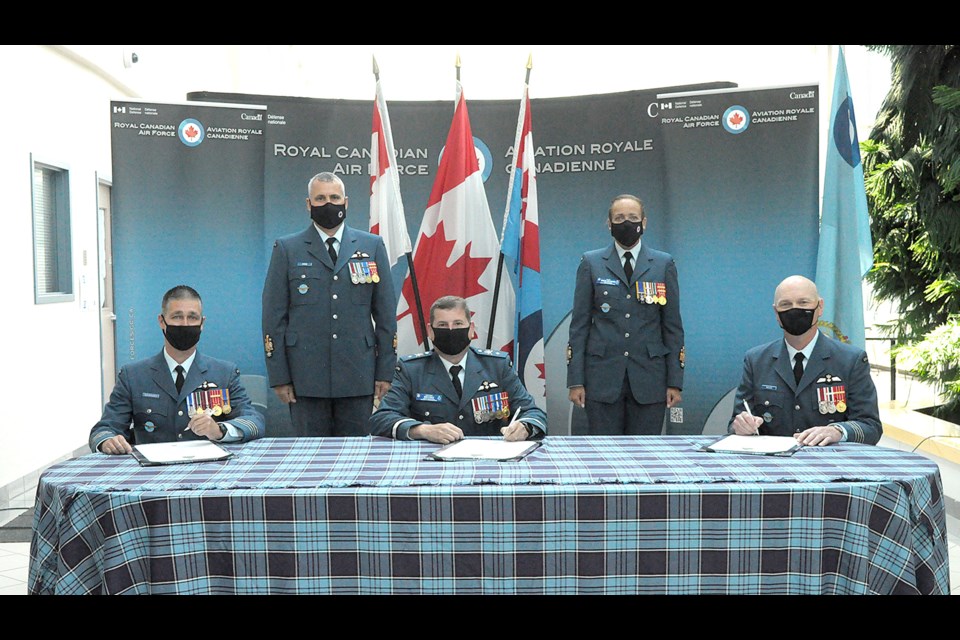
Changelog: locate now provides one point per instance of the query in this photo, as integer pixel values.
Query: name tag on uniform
(150, 395)
(768, 387)
(304, 264)
(429, 397)
(607, 281)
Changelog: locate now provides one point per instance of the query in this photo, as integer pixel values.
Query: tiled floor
(14, 558)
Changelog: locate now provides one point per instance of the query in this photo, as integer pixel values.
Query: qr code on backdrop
(676, 414)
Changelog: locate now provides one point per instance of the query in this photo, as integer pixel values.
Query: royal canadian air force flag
(457, 248)
(846, 249)
(521, 250)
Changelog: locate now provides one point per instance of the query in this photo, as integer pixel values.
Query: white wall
(60, 113)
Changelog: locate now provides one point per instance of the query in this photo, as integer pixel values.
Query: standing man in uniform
(329, 318)
(178, 394)
(625, 357)
(806, 385)
(456, 391)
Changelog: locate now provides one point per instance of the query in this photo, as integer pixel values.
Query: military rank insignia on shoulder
(416, 356)
(493, 354)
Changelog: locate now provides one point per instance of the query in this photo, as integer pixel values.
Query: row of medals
(652, 293)
(199, 402)
(829, 406)
(487, 415)
(363, 272)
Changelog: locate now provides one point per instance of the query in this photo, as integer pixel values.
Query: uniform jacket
(423, 393)
(613, 334)
(836, 372)
(146, 396)
(329, 337)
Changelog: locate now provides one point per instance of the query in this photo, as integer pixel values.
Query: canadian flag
(457, 246)
(386, 207)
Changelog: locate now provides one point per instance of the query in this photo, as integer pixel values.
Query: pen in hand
(512, 420)
(750, 413)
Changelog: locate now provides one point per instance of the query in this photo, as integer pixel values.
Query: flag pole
(409, 255)
(506, 213)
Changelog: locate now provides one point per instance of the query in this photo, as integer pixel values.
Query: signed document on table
(178, 452)
(756, 445)
(482, 449)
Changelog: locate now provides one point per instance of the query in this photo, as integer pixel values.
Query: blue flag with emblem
(846, 249)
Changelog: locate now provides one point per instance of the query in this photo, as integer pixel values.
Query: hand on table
(819, 436)
(115, 446)
(443, 433)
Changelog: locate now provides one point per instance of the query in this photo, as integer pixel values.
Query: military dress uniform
(329, 329)
(145, 406)
(423, 393)
(626, 340)
(835, 388)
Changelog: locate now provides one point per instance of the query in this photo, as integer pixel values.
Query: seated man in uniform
(456, 391)
(807, 385)
(178, 394)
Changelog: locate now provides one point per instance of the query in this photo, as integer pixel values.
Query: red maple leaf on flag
(435, 279)
(542, 369)
(736, 118)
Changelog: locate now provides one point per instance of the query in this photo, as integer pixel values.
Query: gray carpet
(19, 529)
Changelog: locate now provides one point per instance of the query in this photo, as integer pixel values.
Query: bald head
(797, 289)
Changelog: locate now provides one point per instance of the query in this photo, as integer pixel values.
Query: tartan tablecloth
(580, 515)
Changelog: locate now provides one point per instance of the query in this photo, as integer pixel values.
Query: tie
(455, 378)
(628, 265)
(179, 382)
(798, 367)
(331, 250)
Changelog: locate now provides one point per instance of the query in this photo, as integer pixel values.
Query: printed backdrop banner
(736, 205)
(188, 209)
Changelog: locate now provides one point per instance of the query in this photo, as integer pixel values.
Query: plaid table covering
(612, 515)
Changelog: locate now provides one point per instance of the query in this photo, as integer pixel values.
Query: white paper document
(479, 449)
(175, 452)
(764, 445)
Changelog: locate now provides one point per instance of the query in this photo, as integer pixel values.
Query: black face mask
(182, 337)
(626, 233)
(796, 321)
(451, 341)
(328, 215)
